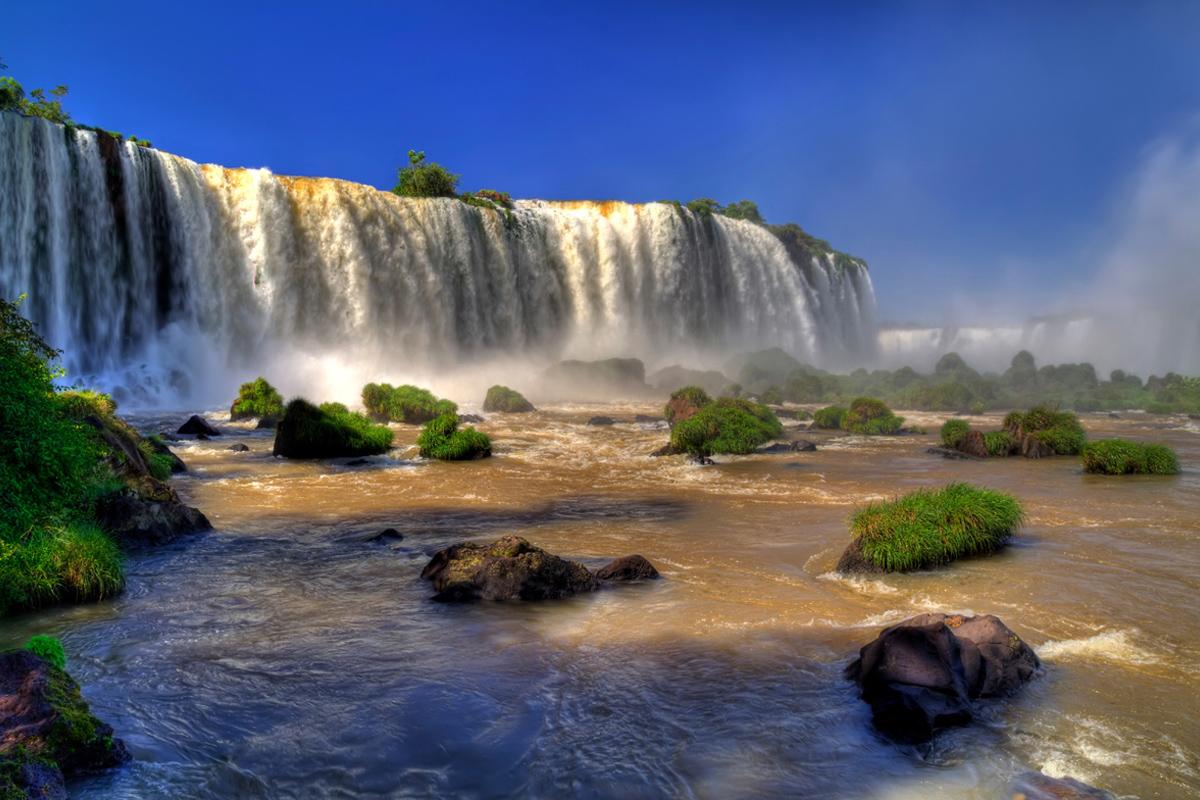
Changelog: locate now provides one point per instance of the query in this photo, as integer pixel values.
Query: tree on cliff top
(421, 179)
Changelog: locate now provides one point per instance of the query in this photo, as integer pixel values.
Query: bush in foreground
(727, 425)
(74, 562)
(442, 439)
(829, 418)
(871, 417)
(408, 404)
(502, 398)
(928, 528)
(1123, 457)
(256, 399)
(328, 431)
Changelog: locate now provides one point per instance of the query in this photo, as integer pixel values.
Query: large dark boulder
(136, 521)
(627, 568)
(197, 425)
(925, 674)
(508, 569)
(47, 730)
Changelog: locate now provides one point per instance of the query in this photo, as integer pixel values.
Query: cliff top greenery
(928, 528)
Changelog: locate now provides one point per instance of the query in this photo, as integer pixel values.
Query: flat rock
(197, 426)
(386, 535)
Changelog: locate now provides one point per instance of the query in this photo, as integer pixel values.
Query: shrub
(727, 425)
(442, 439)
(256, 399)
(502, 398)
(421, 179)
(928, 528)
(1123, 457)
(872, 417)
(48, 648)
(499, 198)
(999, 443)
(953, 431)
(330, 431)
(829, 418)
(409, 404)
(1058, 430)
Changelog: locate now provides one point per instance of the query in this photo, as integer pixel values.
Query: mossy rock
(505, 570)
(1044, 431)
(255, 400)
(441, 438)
(727, 425)
(871, 417)
(502, 398)
(328, 431)
(409, 404)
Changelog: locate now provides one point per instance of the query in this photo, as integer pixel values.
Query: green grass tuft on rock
(49, 649)
(1123, 457)
(1058, 430)
(954, 431)
(928, 527)
(728, 425)
(684, 403)
(502, 398)
(999, 443)
(871, 417)
(441, 438)
(411, 405)
(328, 431)
(256, 399)
(830, 418)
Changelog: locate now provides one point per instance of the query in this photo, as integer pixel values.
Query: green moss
(953, 431)
(502, 398)
(330, 431)
(257, 399)
(829, 418)
(49, 649)
(871, 417)
(1123, 457)
(409, 404)
(999, 443)
(928, 528)
(727, 425)
(442, 439)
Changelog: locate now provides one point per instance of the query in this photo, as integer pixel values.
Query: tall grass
(931, 527)
(77, 562)
(1123, 457)
(442, 439)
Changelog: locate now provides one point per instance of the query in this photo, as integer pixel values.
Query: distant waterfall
(135, 258)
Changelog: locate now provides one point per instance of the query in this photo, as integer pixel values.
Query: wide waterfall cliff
(149, 269)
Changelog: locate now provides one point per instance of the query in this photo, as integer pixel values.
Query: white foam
(1114, 645)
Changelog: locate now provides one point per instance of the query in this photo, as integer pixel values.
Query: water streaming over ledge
(132, 256)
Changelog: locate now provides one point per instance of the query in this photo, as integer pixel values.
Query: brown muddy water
(283, 656)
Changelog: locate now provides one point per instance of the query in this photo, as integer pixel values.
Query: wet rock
(196, 426)
(1036, 786)
(135, 521)
(267, 423)
(627, 568)
(973, 444)
(798, 446)
(925, 674)
(854, 561)
(646, 419)
(951, 453)
(508, 569)
(702, 461)
(1034, 447)
(238, 448)
(386, 535)
(472, 418)
(161, 448)
(682, 406)
(47, 730)
(601, 421)
(666, 450)
(357, 462)
(202, 437)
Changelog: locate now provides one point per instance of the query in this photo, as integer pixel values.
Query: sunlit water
(282, 655)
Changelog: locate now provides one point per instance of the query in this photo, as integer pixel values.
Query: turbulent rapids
(133, 258)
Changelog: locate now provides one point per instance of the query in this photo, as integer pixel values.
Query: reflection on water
(284, 655)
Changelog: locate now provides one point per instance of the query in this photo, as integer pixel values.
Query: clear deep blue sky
(960, 147)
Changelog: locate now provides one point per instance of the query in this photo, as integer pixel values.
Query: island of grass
(411, 405)
(1123, 457)
(502, 398)
(866, 416)
(1036, 433)
(727, 426)
(930, 528)
(257, 400)
(441, 438)
(328, 431)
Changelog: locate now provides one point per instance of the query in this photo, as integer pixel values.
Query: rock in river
(601, 421)
(197, 425)
(925, 674)
(627, 568)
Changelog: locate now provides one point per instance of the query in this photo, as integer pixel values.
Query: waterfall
(149, 269)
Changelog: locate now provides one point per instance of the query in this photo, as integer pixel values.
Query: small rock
(386, 535)
(238, 448)
(472, 418)
(951, 453)
(627, 568)
(703, 461)
(798, 446)
(601, 421)
(198, 426)
(1113, 415)
(357, 462)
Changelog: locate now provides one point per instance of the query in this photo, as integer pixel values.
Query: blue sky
(969, 151)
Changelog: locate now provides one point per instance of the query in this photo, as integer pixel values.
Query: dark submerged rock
(471, 418)
(197, 426)
(601, 421)
(702, 461)
(925, 674)
(627, 568)
(386, 535)
(646, 419)
(951, 453)
(238, 448)
(1036, 786)
(135, 521)
(267, 423)
(505, 570)
(798, 446)
(666, 450)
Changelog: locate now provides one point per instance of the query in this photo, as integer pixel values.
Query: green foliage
(73, 562)
(1060, 430)
(328, 431)
(441, 438)
(49, 649)
(682, 399)
(928, 528)
(257, 399)
(871, 417)
(999, 443)
(829, 418)
(12, 94)
(499, 198)
(953, 431)
(744, 209)
(727, 425)
(704, 207)
(502, 398)
(409, 404)
(1123, 457)
(422, 179)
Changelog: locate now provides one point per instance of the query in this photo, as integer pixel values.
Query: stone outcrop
(197, 425)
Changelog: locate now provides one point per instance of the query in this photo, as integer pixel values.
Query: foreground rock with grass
(512, 569)
(928, 672)
(929, 528)
(1037, 433)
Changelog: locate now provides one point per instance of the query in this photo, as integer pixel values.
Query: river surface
(283, 655)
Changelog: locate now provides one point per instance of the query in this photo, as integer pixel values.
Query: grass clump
(328, 431)
(1123, 457)
(829, 418)
(442, 439)
(727, 425)
(954, 431)
(999, 443)
(502, 398)
(1058, 430)
(928, 527)
(408, 404)
(256, 399)
(49, 649)
(75, 562)
(871, 417)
